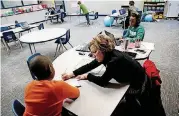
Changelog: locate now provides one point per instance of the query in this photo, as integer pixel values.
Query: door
(173, 9)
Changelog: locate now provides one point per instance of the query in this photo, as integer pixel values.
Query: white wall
(29, 17)
(103, 7)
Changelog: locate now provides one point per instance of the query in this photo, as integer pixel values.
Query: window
(29, 2)
(11, 3)
(17, 3)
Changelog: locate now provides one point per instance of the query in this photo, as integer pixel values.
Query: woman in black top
(119, 66)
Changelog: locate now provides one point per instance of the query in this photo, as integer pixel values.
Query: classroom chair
(41, 26)
(10, 37)
(28, 61)
(62, 41)
(4, 28)
(18, 108)
(114, 11)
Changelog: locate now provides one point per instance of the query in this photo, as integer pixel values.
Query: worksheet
(73, 82)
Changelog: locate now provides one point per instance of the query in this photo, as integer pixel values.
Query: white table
(41, 36)
(93, 100)
(51, 15)
(146, 46)
(78, 15)
(119, 17)
(10, 24)
(19, 29)
(15, 30)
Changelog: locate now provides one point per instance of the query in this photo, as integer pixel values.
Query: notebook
(83, 48)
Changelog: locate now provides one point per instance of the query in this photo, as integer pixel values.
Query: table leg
(6, 45)
(124, 23)
(30, 49)
(34, 48)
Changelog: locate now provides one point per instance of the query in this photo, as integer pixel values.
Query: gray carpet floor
(165, 34)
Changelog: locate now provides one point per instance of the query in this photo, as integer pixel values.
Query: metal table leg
(6, 45)
(30, 49)
(34, 48)
(124, 23)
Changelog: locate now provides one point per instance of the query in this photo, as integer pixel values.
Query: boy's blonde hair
(102, 42)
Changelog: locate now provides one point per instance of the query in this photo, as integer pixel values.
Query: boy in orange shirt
(44, 97)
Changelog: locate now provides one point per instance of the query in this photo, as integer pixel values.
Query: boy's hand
(69, 101)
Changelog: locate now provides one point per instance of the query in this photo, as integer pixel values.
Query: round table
(41, 36)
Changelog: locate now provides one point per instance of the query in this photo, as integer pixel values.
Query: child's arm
(69, 91)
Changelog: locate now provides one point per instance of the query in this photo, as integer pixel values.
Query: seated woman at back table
(119, 66)
(135, 31)
(44, 96)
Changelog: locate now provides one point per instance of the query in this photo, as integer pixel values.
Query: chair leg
(56, 50)
(70, 44)
(20, 44)
(2, 43)
(15, 43)
(61, 46)
(65, 47)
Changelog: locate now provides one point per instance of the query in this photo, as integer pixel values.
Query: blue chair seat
(63, 40)
(18, 108)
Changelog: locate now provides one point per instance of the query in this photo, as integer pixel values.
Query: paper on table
(73, 82)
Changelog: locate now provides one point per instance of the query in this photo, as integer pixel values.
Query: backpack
(152, 72)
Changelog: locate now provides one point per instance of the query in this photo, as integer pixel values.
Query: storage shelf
(154, 5)
(153, 2)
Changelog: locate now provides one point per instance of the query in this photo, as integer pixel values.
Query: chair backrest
(17, 25)
(41, 26)
(122, 11)
(28, 61)
(114, 11)
(140, 14)
(17, 108)
(4, 28)
(68, 35)
(9, 36)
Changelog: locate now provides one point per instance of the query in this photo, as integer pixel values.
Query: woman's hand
(66, 76)
(82, 77)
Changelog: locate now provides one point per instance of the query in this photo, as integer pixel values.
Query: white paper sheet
(73, 82)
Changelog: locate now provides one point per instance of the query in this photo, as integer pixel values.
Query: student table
(119, 17)
(94, 100)
(78, 15)
(16, 30)
(41, 36)
(51, 15)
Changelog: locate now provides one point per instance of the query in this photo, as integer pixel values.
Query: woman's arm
(86, 68)
(104, 79)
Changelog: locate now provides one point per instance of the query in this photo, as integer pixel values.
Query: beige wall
(103, 7)
(48, 2)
